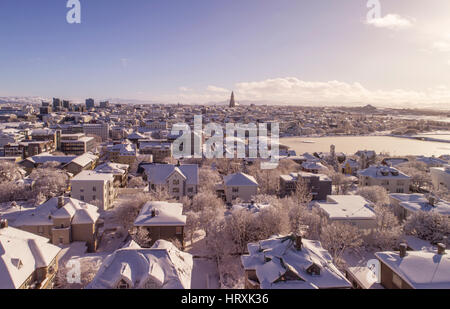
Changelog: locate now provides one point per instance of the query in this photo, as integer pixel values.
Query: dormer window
(123, 285)
(313, 270)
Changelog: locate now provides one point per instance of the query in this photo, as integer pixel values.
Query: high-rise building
(104, 104)
(90, 103)
(57, 103)
(232, 101)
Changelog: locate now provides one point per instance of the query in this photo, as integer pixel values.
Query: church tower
(232, 102)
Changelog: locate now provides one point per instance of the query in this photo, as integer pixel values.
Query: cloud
(217, 89)
(391, 21)
(442, 46)
(291, 90)
(184, 89)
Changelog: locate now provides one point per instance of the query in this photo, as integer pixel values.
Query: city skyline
(289, 52)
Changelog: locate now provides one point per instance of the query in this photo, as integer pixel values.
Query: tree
(49, 182)
(429, 226)
(9, 172)
(338, 237)
(192, 225)
(387, 232)
(302, 194)
(341, 182)
(137, 182)
(205, 200)
(418, 171)
(208, 178)
(375, 194)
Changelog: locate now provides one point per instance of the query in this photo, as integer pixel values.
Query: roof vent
(441, 248)
(403, 248)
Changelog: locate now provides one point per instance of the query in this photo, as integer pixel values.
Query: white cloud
(391, 21)
(442, 46)
(291, 90)
(184, 89)
(217, 89)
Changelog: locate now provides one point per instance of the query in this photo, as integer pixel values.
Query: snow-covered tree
(137, 182)
(338, 237)
(9, 172)
(375, 194)
(429, 226)
(208, 178)
(49, 182)
(388, 231)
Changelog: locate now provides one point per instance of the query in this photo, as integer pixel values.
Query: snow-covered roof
(92, 175)
(21, 254)
(251, 207)
(420, 269)
(135, 135)
(351, 162)
(162, 266)
(384, 172)
(166, 214)
(312, 165)
(276, 256)
(126, 149)
(46, 157)
(239, 179)
(294, 176)
(85, 159)
(112, 168)
(347, 207)
(80, 213)
(419, 202)
(158, 173)
(431, 161)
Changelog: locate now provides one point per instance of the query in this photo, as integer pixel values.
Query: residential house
(387, 177)
(440, 176)
(161, 267)
(120, 172)
(350, 167)
(313, 167)
(239, 185)
(352, 209)
(84, 162)
(423, 269)
(406, 204)
(95, 188)
(27, 261)
(163, 220)
(291, 262)
(62, 220)
(178, 180)
(122, 153)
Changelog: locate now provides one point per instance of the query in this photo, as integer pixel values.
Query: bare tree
(338, 237)
(375, 194)
(9, 172)
(429, 226)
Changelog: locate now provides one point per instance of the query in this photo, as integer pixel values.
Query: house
(350, 167)
(387, 177)
(352, 209)
(394, 161)
(27, 261)
(423, 269)
(367, 158)
(239, 185)
(30, 163)
(440, 176)
(62, 220)
(432, 161)
(313, 167)
(163, 220)
(161, 267)
(290, 262)
(406, 204)
(179, 180)
(95, 188)
(125, 153)
(319, 184)
(120, 172)
(84, 162)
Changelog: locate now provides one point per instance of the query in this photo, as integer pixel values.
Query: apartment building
(27, 261)
(62, 220)
(122, 153)
(76, 143)
(95, 188)
(387, 177)
(319, 184)
(160, 150)
(99, 129)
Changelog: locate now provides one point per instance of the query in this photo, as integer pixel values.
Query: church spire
(232, 102)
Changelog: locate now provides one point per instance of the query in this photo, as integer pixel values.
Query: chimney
(298, 242)
(3, 223)
(153, 213)
(441, 248)
(60, 201)
(403, 248)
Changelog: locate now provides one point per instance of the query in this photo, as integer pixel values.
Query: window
(40, 229)
(81, 197)
(176, 182)
(190, 190)
(179, 230)
(235, 189)
(122, 285)
(94, 197)
(176, 190)
(81, 190)
(400, 190)
(94, 188)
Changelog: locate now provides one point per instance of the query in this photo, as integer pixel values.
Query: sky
(198, 51)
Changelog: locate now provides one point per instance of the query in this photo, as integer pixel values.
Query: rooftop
(161, 214)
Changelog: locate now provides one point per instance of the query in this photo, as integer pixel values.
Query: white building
(239, 185)
(440, 176)
(352, 209)
(406, 204)
(161, 267)
(94, 188)
(387, 177)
